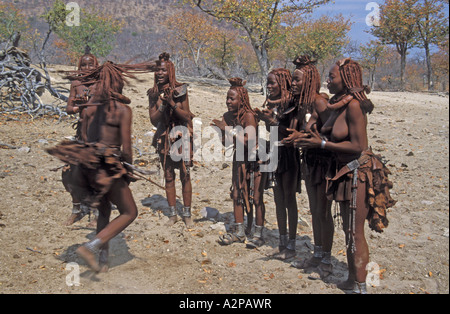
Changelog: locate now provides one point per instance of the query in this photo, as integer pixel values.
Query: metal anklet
(93, 245)
(172, 211)
(186, 212)
(326, 259)
(318, 251)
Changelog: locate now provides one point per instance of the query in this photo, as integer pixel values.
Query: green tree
(55, 18)
(371, 54)
(319, 38)
(398, 26)
(96, 30)
(432, 27)
(12, 22)
(261, 20)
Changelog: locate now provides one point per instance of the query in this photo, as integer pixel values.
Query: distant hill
(139, 15)
(140, 37)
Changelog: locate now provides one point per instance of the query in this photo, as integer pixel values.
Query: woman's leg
(169, 176)
(120, 195)
(358, 260)
(187, 197)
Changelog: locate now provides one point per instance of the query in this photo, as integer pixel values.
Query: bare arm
(71, 107)
(357, 128)
(125, 134)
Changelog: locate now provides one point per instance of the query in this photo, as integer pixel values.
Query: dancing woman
(360, 180)
(101, 155)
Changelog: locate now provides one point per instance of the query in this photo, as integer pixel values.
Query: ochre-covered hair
(165, 57)
(284, 80)
(110, 79)
(351, 74)
(238, 85)
(311, 83)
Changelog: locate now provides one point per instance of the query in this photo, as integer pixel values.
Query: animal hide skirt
(374, 174)
(94, 169)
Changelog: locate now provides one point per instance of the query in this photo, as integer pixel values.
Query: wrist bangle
(323, 144)
(162, 108)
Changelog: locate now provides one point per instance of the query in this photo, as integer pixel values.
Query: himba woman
(102, 154)
(239, 125)
(316, 163)
(283, 111)
(169, 109)
(360, 180)
(80, 92)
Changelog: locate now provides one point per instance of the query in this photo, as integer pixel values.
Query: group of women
(322, 141)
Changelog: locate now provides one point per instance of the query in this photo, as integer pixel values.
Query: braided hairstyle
(110, 79)
(165, 57)
(284, 80)
(311, 83)
(351, 74)
(238, 85)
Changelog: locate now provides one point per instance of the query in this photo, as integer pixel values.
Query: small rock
(209, 213)
(445, 233)
(220, 226)
(303, 223)
(24, 150)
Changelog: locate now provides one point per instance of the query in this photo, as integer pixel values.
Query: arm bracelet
(324, 142)
(162, 108)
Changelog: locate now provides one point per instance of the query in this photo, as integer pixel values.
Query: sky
(357, 10)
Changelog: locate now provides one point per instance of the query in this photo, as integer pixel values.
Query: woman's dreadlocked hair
(284, 80)
(165, 57)
(110, 79)
(311, 83)
(238, 85)
(352, 78)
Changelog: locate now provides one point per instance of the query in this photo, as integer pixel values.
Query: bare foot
(172, 220)
(104, 260)
(304, 264)
(73, 219)
(188, 222)
(89, 258)
(285, 254)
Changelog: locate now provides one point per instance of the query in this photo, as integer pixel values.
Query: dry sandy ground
(410, 130)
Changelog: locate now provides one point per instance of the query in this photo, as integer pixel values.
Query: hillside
(135, 13)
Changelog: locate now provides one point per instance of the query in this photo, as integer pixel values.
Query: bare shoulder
(354, 109)
(123, 110)
(250, 119)
(320, 103)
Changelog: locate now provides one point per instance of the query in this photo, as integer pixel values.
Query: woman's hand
(168, 98)
(294, 137)
(220, 124)
(265, 115)
(312, 140)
